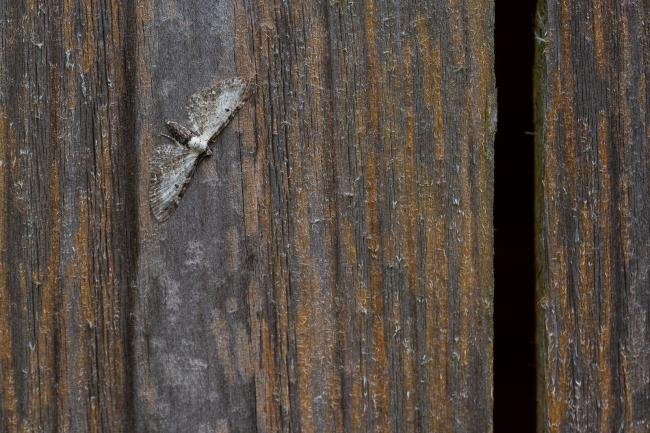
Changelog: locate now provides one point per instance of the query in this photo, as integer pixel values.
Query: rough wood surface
(194, 365)
(67, 225)
(328, 270)
(594, 216)
(367, 196)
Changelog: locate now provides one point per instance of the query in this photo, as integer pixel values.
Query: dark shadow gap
(514, 259)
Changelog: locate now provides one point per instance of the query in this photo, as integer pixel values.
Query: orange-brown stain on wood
(624, 209)
(144, 17)
(116, 42)
(32, 368)
(585, 281)
(30, 6)
(146, 146)
(56, 392)
(245, 365)
(604, 334)
(306, 312)
(564, 112)
(432, 77)
(432, 212)
(456, 34)
(7, 373)
(356, 399)
(45, 291)
(68, 27)
(407, 232)
(324, 212)
(566, 98)
(89, 44)
(554, 406)
(599, 39)
(436, 298)
(376, 366)
(61, 311)
(66, 347)
(483, 126)
(246, 67)
(301, 277)
(428, 55)
(463, 221)
(83, 267)
(86, 321)
(466, 282)
(70, 54)
(233, 243)
(373, 70)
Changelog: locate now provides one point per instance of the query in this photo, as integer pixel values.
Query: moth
(175, 159)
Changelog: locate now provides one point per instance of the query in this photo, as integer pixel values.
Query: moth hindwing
(175, 159)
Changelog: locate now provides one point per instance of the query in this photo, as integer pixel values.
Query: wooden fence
(330, 266)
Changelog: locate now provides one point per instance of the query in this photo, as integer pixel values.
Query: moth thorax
(197, 145)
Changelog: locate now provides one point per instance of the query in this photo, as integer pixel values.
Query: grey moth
(176, 156)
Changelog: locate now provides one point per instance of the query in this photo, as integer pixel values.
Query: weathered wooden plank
(67, 242)
(329, 269)
(594, 217)
(193, 366)
(367, 196)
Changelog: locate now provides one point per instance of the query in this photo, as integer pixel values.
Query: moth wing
(212, 109)
(171, 170)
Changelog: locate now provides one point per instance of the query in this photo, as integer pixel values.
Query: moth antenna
(169, 137)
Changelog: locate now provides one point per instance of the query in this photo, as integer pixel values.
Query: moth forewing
(211, 110)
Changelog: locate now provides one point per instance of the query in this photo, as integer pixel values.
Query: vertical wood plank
(328, 270)
(367, 158)
(193, 368)
(594, 217)
(67, 238)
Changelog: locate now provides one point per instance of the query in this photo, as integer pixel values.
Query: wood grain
(594, 216)
(192, 344)
(328, 270)
(367, 194)
(67, 213)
